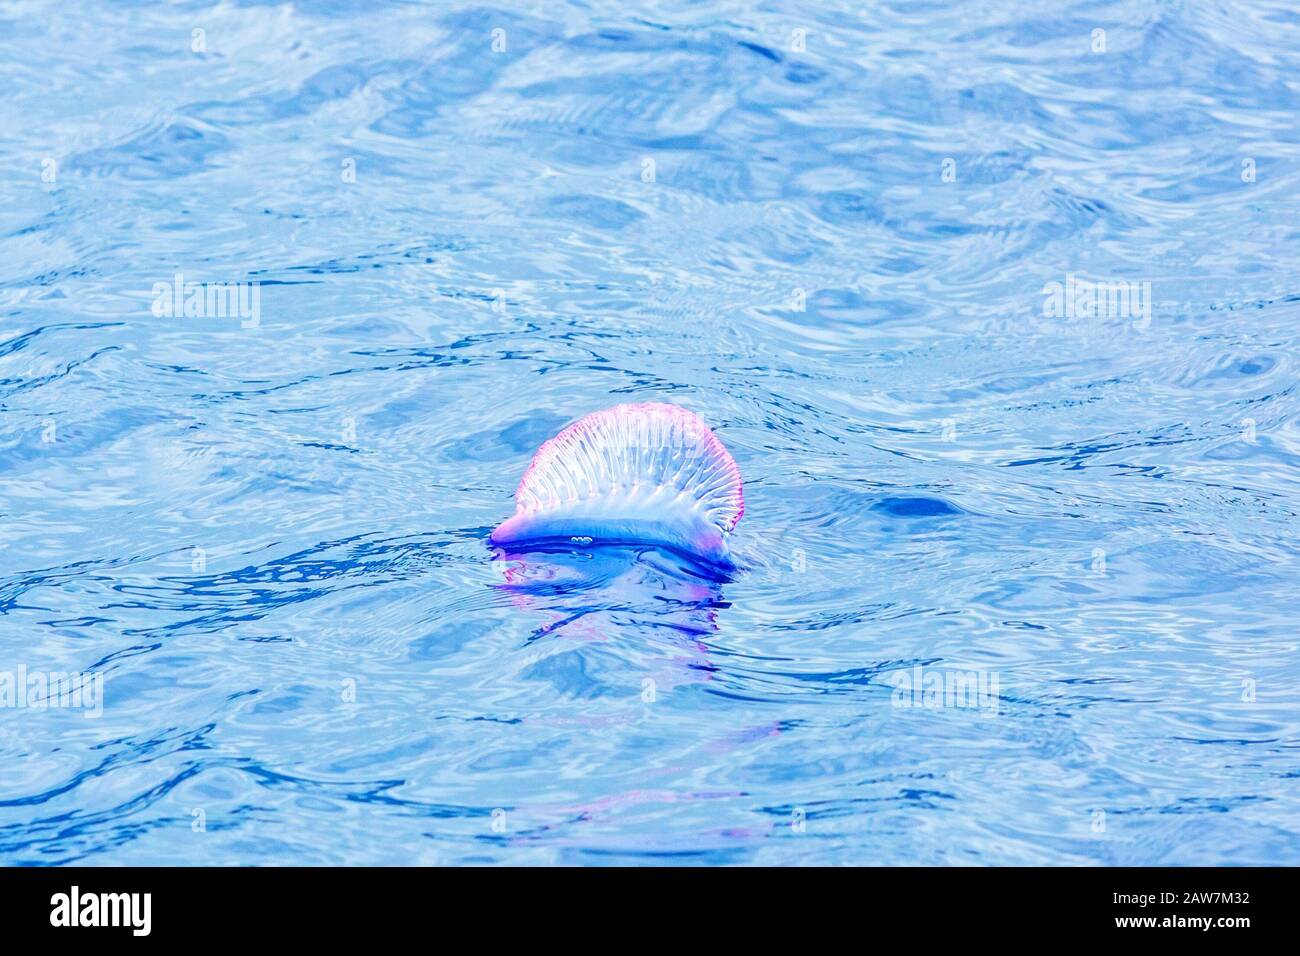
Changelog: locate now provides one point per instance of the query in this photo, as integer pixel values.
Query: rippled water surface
(825, 227)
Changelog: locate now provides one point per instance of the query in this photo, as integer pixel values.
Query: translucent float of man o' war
(643, 474)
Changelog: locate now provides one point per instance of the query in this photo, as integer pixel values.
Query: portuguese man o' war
(644, 474)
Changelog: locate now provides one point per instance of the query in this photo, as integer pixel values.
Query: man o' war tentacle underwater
(648, 473)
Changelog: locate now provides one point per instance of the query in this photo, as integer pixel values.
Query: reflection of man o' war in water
(657, 606)
(637, 626)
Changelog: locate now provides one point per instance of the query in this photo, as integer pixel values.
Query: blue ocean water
(996, 304)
